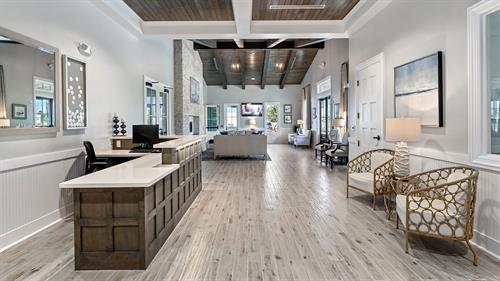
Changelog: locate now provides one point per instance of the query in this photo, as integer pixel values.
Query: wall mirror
(28, 85)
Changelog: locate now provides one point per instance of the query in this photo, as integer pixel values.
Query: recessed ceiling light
(253, 78)
(252, 53)
(296, 7)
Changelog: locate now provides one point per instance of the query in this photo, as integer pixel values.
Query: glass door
(272, 116)
(157, 103)
(212, 118)
(493, 62)
(231, 117)
(325, 117)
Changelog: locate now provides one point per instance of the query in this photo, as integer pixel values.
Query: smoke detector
(85, 49)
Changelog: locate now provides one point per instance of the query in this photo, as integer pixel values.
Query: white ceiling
(242, 27)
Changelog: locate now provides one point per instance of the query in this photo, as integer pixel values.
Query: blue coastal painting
(418, 90)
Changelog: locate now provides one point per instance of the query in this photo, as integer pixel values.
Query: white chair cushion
(425, 213)
(460, 196)
(362, 181)
(379, 158)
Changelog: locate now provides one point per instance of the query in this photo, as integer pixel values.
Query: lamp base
(402, 160)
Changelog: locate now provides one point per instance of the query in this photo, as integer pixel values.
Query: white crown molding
(119, 12)
(243, 27)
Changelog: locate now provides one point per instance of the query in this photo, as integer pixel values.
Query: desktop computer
(146, 136)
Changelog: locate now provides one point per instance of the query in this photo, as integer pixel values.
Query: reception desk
(125, 213)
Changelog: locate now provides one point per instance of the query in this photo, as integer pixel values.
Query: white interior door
(369, 96)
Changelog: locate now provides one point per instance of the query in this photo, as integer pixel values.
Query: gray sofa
(240, 145)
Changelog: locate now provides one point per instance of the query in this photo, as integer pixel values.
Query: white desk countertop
(125, 153)
(140, 172)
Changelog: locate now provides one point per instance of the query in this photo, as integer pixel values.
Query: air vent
(296, 7)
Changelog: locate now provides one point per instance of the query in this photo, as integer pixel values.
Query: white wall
(32, 166)
(335, 53)
(291, 94)
(408, 30)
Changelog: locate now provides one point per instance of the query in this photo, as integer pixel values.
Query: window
(272, 117)
(484, 84)
(232, 117)
(212, 118)
(157, 105)
(44, 112)
(325, 117)
(324, 86)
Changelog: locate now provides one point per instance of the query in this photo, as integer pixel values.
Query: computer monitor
(146, 135)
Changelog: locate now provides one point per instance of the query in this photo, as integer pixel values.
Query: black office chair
(92, 163)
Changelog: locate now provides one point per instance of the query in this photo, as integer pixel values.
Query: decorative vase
(123, 126)
(116, 126)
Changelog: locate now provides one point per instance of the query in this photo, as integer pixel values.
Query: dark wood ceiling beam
(264, 69)
(262, 45)
(308, 42)
(211, 44)
(220, 68)
(291, 61)
(243, 67)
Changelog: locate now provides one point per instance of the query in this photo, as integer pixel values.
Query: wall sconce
(85, 49)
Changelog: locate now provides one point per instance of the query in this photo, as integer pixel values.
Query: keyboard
(144, 150)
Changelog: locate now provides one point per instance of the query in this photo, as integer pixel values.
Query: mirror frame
(57, 85)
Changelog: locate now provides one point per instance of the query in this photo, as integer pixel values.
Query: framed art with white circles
(75, 93)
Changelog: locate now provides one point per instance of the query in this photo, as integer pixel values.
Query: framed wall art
(75, 93)
(19, 111)
(418, 90)
(288, 119)
(287, 108)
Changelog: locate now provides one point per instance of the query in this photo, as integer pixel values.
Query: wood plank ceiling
(222, 10)
(259, 66)
(182, 10)
(333, 9)
(249, 62)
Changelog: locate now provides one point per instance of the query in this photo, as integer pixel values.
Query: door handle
(377, 138)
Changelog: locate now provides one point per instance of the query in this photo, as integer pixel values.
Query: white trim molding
(478, 97)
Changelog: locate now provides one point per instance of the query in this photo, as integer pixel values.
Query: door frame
(380, 58)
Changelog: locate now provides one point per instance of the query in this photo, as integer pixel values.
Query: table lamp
(337, 123)
(300, 123)
(402, 130)
(4, 123)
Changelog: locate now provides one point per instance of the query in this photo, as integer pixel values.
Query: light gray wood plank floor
(285, 219)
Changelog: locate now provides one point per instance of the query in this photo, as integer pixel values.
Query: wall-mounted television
(251, 109)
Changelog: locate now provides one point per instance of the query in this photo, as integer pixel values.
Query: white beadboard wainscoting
(487, 212)
(30, 198)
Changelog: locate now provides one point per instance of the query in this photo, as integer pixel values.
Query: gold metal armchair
(371, 172)
(439, 203)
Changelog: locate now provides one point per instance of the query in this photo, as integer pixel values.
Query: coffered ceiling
(241, 19)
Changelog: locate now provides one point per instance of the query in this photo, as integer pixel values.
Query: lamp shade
(4, 123)
(402, 129)
(300, 122)
(338, 122)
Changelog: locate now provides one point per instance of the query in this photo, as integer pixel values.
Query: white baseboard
(487, 244)
(27, 230)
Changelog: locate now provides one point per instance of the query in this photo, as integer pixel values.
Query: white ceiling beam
(242, 10)
(276, 42)
(240, 43)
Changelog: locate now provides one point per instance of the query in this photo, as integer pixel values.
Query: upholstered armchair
(371, 172)
(303, 139)
(438, 203)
